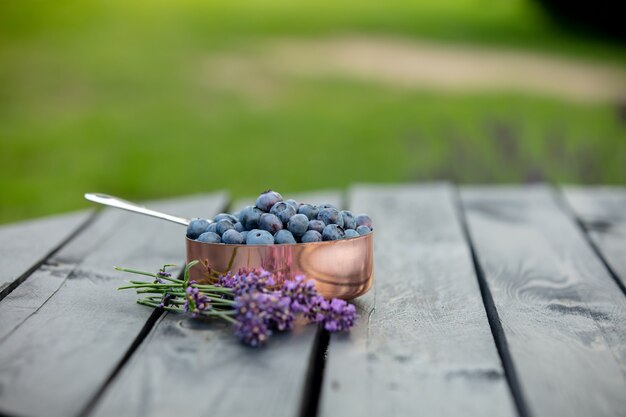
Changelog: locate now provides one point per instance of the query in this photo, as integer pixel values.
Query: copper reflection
(340, 268)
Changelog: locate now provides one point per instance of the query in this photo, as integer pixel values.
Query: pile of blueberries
(274, 221)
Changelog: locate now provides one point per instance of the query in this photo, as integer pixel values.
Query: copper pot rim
(282, 245)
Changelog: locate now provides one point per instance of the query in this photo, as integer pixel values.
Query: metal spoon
(108, 200)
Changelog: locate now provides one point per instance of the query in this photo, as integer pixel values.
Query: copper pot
(340, 268)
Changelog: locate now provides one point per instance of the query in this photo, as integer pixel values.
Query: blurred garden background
(148, 99)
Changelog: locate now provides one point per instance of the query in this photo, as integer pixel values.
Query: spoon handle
(108, 200)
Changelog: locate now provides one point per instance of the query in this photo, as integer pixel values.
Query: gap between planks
(90, 217)
(572, 200)
(493, 318)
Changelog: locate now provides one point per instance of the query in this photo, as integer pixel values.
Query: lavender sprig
(250, 299)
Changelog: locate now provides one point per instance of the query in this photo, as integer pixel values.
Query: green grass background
(108, 96)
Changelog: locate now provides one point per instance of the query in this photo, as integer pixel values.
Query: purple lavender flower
(162, 274)
(336, 315)
(252, 326)
(228, 281)
(302, 293)
(340, 316)
(282, 315)
(317, 309)
(165, 300)
(248, 281)
(259, 313)
(196, 302)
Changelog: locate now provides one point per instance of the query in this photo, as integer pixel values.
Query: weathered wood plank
(562, 315)
(25, 245)
(198, 369)
(30, 296)
(423, 345)
(602, 212)
(57, 360)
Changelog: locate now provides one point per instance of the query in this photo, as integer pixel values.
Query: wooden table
(488, 301)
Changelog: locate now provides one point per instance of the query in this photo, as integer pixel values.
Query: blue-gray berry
(197, 227)
(267, 199)
(293, 203)
(212, 228)
(298, 224)
(244, 234)
(209, 237)
(283, 237)
(333, 232)
(364, 220)
(225, 216)
(270, 222)
(311, 236)
(249, 217)
(223, 225)
(259, 237)
(239, 227)
(317, 225)
(363, 230)
(232, 237)
(348, 219)
(309, 210)
(283, 210)
(351, 233)
(330, 215)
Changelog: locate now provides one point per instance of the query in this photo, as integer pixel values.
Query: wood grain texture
(55, 361)
(192, 368)
(563, 316)
(26, 299)
(423, 345)
(602, 212)
(25, 245)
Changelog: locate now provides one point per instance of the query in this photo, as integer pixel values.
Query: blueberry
(232, 237)
(293, 203)
(363, 230)
(244, 235)
(284, 236)
(348, 219)
(317, 225)
(225, 216)
(270, 222)
(351, 233)
(197, 227)
(309, 210)
(327, 205)
(236, 214)
(238, 227)
(330, 215)
(267, 199)
(283, 210)
(298, 224)
(332, 232)
(223, 225)
(259, 237)
(249, 217)
(209, 237)
(364, 220)
(212, 228)
(311, 236)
